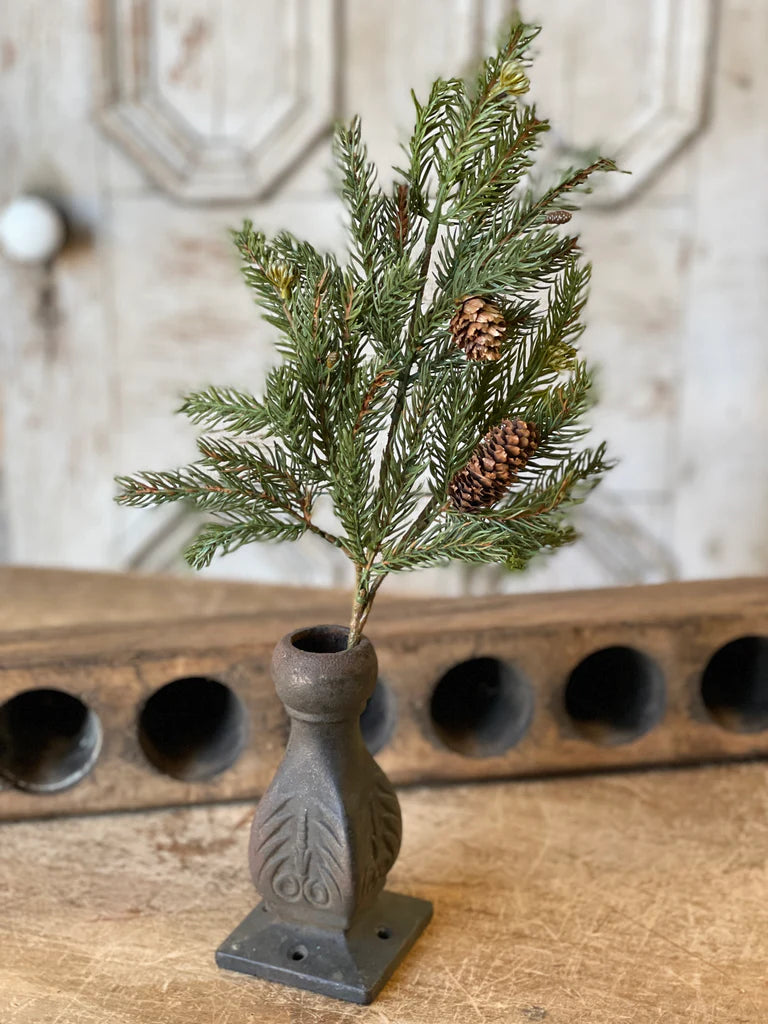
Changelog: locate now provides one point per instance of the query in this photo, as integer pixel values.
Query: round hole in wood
(615, 695)
(481, 707)
(377, 722)
(192, 728)
(734, 686)
(49, 740)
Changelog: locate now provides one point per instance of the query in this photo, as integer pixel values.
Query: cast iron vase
(325, 835)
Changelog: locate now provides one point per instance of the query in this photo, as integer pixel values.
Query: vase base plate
(353, 965)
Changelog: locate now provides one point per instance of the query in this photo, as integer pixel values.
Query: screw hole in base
(298, 953)
(384, 933)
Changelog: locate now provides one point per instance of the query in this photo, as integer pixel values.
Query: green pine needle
(373, 405)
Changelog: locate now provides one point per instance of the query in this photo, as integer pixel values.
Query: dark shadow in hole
(615, 695)
(734, 686)
(481, 707)
(49, 740)
(321, 639)
(192, 728)
(377, 722)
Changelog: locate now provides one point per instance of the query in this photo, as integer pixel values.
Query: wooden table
(637, 897)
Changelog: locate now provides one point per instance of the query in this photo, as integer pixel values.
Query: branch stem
(365, 592)
(429, 243)
(329, 537)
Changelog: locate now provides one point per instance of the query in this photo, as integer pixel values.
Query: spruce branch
(384, 397)
(226, 409)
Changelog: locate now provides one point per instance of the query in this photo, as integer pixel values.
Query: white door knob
(31, 230)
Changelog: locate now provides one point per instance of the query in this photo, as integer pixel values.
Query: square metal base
(352, 965)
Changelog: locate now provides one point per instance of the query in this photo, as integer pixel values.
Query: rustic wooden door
(157, 124)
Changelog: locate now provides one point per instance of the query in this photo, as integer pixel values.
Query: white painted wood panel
(721, 497)
(57, 389)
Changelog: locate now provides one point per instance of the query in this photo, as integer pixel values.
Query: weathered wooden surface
(116, 668)
(96, 349)
(33, 599)
(637, 898)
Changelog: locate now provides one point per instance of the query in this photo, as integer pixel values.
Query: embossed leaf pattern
(301, 855)
(385, 835)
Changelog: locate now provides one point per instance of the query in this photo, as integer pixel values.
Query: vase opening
(321, 639)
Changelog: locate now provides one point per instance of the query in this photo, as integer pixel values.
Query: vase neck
(321, 734)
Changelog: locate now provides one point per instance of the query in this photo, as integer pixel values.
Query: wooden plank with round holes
(471, 689)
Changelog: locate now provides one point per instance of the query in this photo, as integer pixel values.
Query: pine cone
(478, 328)
(494, 465)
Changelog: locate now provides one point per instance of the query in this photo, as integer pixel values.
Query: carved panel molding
(629, 80)
(218, 101)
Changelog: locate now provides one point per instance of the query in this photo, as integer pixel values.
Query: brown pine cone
(494, 465)
(478, 328)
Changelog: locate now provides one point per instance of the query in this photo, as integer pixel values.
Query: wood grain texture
(115, 668)
(612, 900)
(32, 599)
